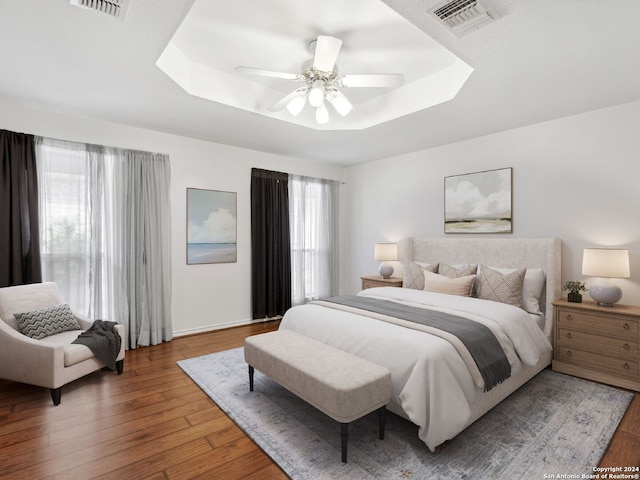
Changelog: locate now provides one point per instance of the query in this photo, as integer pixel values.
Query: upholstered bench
(340, 385)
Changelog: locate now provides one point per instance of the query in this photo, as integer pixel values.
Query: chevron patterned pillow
(47, 321)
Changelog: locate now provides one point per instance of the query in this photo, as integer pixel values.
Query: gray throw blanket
(103, 340)
(477, 338)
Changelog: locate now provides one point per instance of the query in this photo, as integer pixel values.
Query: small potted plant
(574, 287)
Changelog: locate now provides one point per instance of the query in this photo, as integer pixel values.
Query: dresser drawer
(595, 323)
(619, 347)
(611, 365)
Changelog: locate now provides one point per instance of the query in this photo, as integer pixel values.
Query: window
(105, 234)
(313, 206)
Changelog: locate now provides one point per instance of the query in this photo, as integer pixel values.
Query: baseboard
(221, 326)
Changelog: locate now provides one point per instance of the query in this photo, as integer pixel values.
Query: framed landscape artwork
(478, 202)
(211, 226)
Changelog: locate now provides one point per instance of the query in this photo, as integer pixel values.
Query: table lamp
(605, 263)
(386, 252)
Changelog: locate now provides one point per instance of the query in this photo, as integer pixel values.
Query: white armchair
(52, 361)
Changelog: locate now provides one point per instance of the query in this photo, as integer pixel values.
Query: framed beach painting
(211, 226)
(478, 202)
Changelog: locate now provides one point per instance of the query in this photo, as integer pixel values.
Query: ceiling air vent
(462, 16)
(113, 8)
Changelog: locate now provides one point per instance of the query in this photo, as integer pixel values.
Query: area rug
(555, 424)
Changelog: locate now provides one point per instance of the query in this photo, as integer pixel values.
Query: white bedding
(431, 385)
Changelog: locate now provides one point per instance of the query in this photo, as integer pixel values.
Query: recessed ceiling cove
(369, 41)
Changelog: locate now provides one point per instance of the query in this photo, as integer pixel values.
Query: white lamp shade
(342, 105)
(606, 262)
(296, 105)
(386, 252)
(322, 114)
(316, 94)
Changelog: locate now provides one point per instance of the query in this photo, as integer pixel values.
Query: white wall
(204, 297)
(576, 178)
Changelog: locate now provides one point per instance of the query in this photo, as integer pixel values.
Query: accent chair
(43, 355)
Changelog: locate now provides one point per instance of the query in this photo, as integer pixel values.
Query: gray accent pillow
(501, 287)
(414, 276)
(457, 271)
(47, 321)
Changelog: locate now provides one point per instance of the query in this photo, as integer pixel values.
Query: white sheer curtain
(313, 206)
(106, 234)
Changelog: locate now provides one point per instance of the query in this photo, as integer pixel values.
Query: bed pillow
(457, 271)
(462, 286)
(414, 278)
(47, 321)
(501, 287)
(534, 281)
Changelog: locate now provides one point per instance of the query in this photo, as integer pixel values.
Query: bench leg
(381, 416)
(251, 370)
(344, 437)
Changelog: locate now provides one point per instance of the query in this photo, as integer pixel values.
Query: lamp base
(385, 270)
(605, 295)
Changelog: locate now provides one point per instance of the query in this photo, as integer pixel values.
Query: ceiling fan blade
(268, 73)
(281, 104)
(341, 103)
(327, 49)
(375, 80)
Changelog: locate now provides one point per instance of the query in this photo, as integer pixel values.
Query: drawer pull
(569, 354)
(626, 326)
(569, 316)
(626, 346)
(626, 366)
(569, 335)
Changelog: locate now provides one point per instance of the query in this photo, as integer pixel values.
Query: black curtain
(270, 243)
(19, 237)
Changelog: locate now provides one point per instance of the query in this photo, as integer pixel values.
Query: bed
(434, 384)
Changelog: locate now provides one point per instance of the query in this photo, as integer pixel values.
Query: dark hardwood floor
(154, 423)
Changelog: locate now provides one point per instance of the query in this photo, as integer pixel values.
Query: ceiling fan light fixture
(321, 81)
(322, 114)
(316, 94)
(296, 105)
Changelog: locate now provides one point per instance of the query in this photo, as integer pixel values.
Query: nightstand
(598, 343)
(378, 281)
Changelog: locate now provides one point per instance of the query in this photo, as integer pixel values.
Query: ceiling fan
(323, 82)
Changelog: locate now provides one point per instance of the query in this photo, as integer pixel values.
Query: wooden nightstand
(598, 343)
(378, 281)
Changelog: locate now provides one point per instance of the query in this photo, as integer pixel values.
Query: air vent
(462, 16)
(113, 8)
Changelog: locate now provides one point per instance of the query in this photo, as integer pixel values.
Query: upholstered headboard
(542, 253)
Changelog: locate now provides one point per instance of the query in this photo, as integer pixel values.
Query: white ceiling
(275, 35)
(542, 59)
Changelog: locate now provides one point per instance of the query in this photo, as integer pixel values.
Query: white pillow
(461, 286)
(534, 281)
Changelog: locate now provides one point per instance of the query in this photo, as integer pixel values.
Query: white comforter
(431, 385)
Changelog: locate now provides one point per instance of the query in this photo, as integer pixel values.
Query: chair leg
(56, 395)
(120, 366)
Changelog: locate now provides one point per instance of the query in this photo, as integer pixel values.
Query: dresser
(378, 281)
(598, 343)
